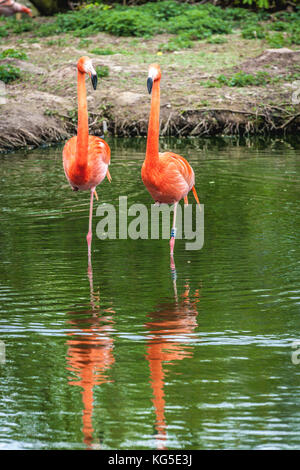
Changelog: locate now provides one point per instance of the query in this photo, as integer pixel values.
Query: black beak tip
(94, 81)
(149, 85)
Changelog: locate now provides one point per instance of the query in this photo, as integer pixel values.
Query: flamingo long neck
(153, 127)
(83, 124)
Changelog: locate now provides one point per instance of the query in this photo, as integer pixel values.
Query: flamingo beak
(94, 79)
(149, 84)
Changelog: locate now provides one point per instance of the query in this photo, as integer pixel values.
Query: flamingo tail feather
(195, 195)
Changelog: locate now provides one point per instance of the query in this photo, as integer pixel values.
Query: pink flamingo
(86, 157)
(167, 176)
(10, 7)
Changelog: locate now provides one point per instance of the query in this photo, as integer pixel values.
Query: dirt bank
(41, 106)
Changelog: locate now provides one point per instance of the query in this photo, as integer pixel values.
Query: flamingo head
(84, 65)
(26, 10)
(153, 75)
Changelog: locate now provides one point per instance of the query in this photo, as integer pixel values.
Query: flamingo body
(170, 179)
(88, 176)
(10, 7)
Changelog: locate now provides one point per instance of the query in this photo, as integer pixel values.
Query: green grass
(61, 42)
(217, 40)
(98, 51)
(176, 43)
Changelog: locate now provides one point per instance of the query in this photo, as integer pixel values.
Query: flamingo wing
(187, 173)
(101, 152)
(69, 161)
(180, 164)
(99, 148)
(178, 175)
(170, 180)
(97, 163)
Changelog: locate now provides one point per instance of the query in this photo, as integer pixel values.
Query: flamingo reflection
(90, 354)
(171, 327)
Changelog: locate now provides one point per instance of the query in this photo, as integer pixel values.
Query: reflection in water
(90, 354)
(171, 326)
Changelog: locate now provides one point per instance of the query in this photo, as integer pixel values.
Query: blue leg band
(173, 233)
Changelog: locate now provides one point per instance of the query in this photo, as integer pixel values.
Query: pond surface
(128, 355)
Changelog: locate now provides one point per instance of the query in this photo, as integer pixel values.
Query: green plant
(9, 73)
(84, 43)
(201, 22)
(61, 42)
(258, 3)
(175, 44)
(102, 71)
(254, 32)
(210, 84)
(3, 32)
(278, 40)
(13, 53)
(189, 21)
(241, 79)
(217, 40)
(98, 51)
(131, 23)
(16, 27)
(280, 26)
(295, 37)
(47, 29)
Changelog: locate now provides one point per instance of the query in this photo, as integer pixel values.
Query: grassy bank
(228, 71)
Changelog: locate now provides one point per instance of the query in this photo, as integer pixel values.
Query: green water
(125, 356)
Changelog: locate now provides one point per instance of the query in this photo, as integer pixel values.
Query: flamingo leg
(89, 235)
(173, 231)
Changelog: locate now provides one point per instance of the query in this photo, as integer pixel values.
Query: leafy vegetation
(186, 22)
(3, 32)
(217, 40)
(278, 40)
(240, 79)
(102, 71)
(9, 73)
(176, 43)
(12, 25)
(13, 53)
(254, 32)
(99, 51)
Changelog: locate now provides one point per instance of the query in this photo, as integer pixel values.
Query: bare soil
(42, 106)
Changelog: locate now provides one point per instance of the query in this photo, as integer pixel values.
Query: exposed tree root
(20, 130)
